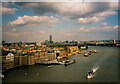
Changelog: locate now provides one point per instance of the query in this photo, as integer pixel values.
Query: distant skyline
(35, 21)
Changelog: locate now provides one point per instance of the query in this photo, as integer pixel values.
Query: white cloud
(72, 10)
(105, 13)
(11, 34)
(68, 34)
(104, 23)
(82, 29)
(111, 27)
(14, 34)
(33, 20)
(8, 10)
(115, 26)
(105, 28)
(92, 12)
(13, 29)
(101, 0)
(89, 20)
(97, 28)
(42, 32)
(51, 26)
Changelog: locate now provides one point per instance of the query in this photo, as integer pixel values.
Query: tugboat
(90, 75)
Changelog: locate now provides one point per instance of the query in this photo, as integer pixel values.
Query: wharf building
(30, 57)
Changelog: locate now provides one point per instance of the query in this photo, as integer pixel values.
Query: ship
(90, 75)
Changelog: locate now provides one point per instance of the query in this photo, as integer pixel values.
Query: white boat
(49, 66)
(90, 75)
(86, 54)
(61, 63)
(94, 51)
(2, 76)
(68, 62)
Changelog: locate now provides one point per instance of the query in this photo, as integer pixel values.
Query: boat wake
(97, 65)
(95, 69)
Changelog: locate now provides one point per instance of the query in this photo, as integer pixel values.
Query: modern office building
(50, 39)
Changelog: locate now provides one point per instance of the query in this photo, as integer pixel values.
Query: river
(106, 59)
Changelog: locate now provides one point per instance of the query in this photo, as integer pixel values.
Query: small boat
(90, 75)
(69, 62)
(94, 51)
(61, 63)
(26, 73)
(86, 54)
(1, 75)
(80, 52)
(49, 66)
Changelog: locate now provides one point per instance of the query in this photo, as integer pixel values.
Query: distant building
(46, 41)
(66, 41)
(114, 41)
(60, 42)
(38, 44)
(111, 41)
(3, 43)
(50, 39)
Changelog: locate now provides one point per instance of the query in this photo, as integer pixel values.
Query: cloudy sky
(35, 21)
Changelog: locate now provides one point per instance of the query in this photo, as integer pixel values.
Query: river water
(106, 59)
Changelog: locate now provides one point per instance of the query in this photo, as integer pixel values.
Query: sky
(81, 21)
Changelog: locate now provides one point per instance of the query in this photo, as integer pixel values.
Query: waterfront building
(31, 60)
(71, 49)
(16, 61)
(10, 57)
(23, 60)
(7, 61)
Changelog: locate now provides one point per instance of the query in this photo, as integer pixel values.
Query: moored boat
(69, 62)
(94, 51)
(49, 66)
(1, 75)
(86, 54)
